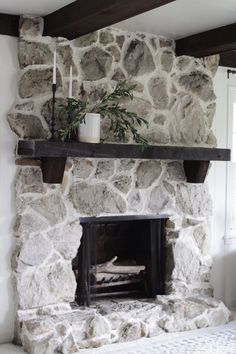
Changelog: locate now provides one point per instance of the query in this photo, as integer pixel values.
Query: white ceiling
(32, 7)
(184, 17)
(175, 20)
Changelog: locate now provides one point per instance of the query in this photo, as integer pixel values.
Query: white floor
(217, 340)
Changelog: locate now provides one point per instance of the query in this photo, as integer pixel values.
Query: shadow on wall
(224, 276)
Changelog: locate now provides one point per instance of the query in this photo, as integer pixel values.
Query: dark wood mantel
(53, 156)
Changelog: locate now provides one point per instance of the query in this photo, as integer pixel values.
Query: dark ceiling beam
(84, 16)
(216, 41)
(228, 59)
(9, 25)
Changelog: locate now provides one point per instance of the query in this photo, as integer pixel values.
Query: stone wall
(175, 94)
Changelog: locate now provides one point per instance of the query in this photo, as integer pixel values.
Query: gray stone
(87, 199)
(159, 200)
(211, 63)
(159, 119)
(66, 239)
(34, 53)
(122, 183)
(169, 187)
(157, 136)
(35, 250)
(189, 125)
(135, 201)
(158, 90)
(26, 106)
(202, 238)
(37, 81)
(120, 40)
(114, 51)
(190, 312)
(211, 140)
(97, 326)
(147, 172)
(65, 53)
(86, 40)
(126, 164)
(45, 345)
(154, 43)
(141, 107)
(39, 327)
(210, 113)
(96, 63)
(198, 83)
(183, 62)
(27, 126)
(106, 37)
(186, 262)
(29, 180)
(138, 59)
(194, 200)
(26, 224)
(164, 42)
(30, 26)
(105, 169)
(93, 92)
(46, 285)
(51, 207)
(118, 75)
(69, 345)
(175, 171)
(83, 168)
(59, 113)
(167, 60)
(132, 330)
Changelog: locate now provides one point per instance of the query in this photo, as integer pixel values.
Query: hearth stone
(116, 321)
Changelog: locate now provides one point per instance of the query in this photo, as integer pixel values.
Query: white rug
(217, 340)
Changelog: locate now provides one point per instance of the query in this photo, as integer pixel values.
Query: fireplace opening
(120, 256)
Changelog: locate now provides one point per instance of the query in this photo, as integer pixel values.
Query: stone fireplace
(175, 94)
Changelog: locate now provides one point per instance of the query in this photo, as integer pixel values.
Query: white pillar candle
(70, 83)
(54, 79)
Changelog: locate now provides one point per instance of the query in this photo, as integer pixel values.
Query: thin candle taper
(54, 80)
(70, 83)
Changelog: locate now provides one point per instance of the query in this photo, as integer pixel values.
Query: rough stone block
(96, 63)
(66, 239)
(36, 82)
(34, 53)
(147, 173)
(48, 284)
(138, 59)
(87, 199)
(29, 180)
(27, 126)
(158, 91)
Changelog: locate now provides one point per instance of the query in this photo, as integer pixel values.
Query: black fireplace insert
(120, 256)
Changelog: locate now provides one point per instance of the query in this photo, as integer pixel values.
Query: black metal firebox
(120, 256)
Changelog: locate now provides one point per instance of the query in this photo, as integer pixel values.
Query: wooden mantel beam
(82, 17)
(216, 41)
(9, 25)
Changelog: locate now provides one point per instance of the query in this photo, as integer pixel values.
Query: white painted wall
(8, 86)
(223, 251)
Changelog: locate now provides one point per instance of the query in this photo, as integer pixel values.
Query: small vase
(89, 131)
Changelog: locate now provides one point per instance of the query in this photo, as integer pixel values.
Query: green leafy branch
(121, 120)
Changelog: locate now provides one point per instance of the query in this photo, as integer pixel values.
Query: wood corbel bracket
(53, 169)
(196, 171)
